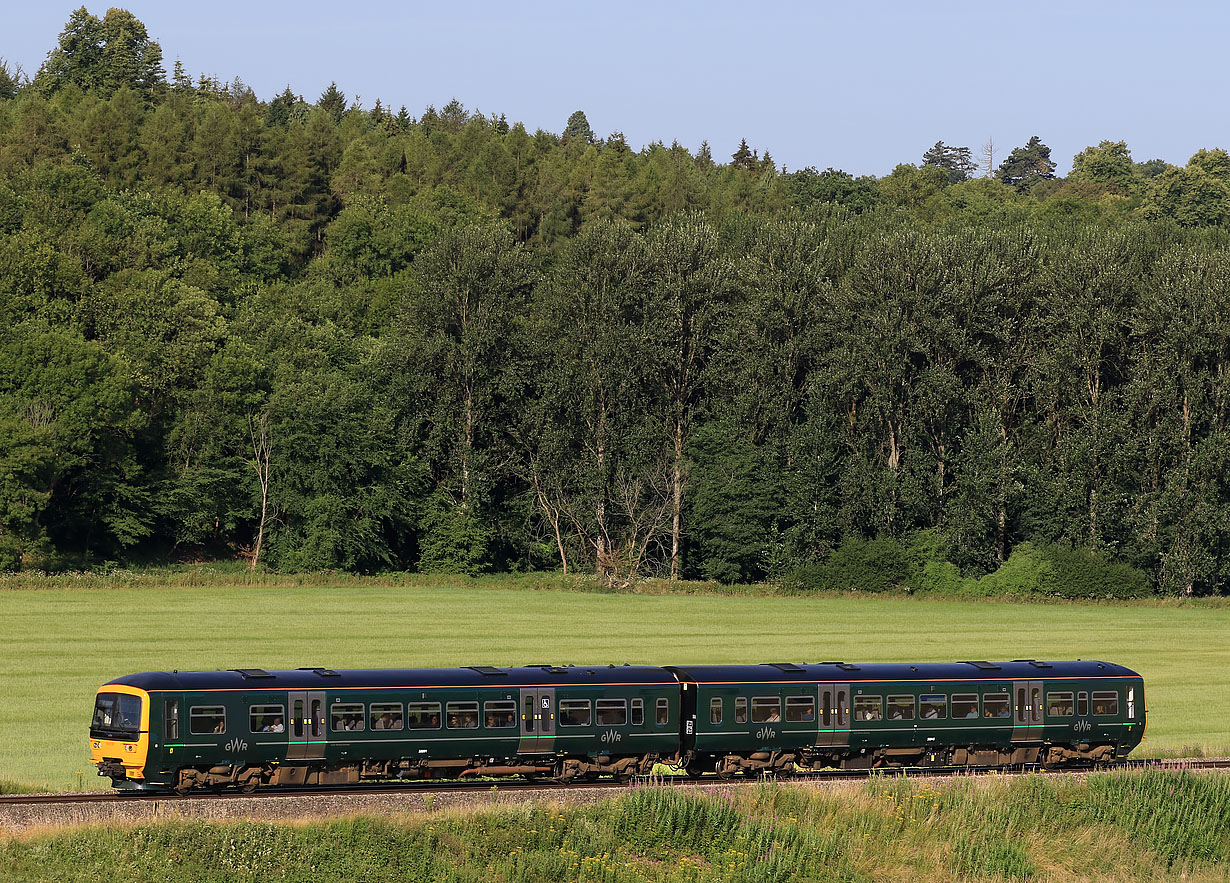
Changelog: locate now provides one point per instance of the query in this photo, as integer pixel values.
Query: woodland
(315, 335)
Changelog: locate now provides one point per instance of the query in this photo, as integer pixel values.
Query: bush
(878, 565)
(1064, 573)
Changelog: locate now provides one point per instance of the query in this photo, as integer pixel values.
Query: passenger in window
(774, 717)
(220, 727)
(385, 722)
(930, 713)
(277, 726)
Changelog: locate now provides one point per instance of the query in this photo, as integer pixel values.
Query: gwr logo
(765, 733)
(611, 736)
(236, 745)
(1082, 726)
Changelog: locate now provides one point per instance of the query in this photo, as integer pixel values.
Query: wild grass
(1117, 826)
(57, 647)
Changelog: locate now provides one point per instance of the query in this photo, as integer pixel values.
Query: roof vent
(981, 664)
(553, 669)
(488, 670)
(247, 673)
(1035, 663)
(323, 672)
(786, 666)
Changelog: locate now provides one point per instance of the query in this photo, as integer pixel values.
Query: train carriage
(770, 718)
(316, 726)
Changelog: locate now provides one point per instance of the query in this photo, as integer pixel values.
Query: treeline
(336, 337)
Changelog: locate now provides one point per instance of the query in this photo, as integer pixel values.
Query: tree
(743, 158)
(10, 81)
(332, 101)
(1027, 166)
(104, 56)
(1108, 163)
(577, 129)
(956, 162)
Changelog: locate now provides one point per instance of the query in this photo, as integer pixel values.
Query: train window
(1106, 704)
(1082, 704)
(933, 707)
(964, 705)
(826, 706)
(171, 719)
(267, 719)
(715, 711)
(346, 717)
(996, 705)
(385, 715)
(1058, 704)
(611, 712)
(500, 715)
(843, 708)
(638, 712)
(296, 719)
(423, 715)
(663, 712)
(206, 719)
(1132, 702)
(116, 716)
(461, 715)
(317, 718)
(1022, 714)
(1035, 704)
(800, 709)
(868, 708)
(574, 712)
(766, 709)
(901, 708)
(740, 709)
(528, 718)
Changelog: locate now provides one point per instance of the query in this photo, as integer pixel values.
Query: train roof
(842, 672)
(326, 678)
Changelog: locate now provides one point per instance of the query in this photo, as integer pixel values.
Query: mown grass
(57, 646)
(1113, 826)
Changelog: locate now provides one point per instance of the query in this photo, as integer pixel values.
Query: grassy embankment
(1112, 826)
(57, 646)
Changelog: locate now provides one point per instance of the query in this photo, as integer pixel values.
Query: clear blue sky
(859, 86)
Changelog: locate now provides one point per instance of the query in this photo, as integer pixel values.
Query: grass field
(1120, 827)
(58, 645)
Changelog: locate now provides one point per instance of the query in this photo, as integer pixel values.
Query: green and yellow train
(250, 728)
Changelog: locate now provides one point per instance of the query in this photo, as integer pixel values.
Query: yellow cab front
(119, 732)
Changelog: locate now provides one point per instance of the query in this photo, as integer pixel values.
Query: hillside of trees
(333, 337)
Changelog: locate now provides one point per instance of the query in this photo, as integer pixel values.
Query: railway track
(496, 788)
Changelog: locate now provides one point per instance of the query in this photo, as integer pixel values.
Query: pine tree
(1027, 165)
(333, 102)
(577, 129)
(704, 156)
(956, 162)
(743, 158)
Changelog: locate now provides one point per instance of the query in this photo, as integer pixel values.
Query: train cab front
(119, 734)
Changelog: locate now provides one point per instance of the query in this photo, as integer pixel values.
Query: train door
(307, 725)
(537, 720)
(1027, 705)
(834, 720)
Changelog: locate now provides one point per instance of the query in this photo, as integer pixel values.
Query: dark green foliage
(577, 128)
(474, 347)
(878, 565)
(956, 162)
(1027, 166)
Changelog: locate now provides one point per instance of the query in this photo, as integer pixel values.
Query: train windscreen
(116, 716)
